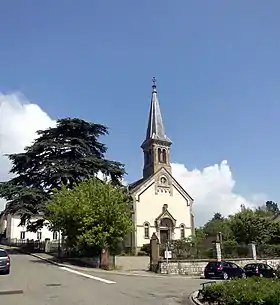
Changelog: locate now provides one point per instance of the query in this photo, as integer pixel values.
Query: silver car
(5, 262)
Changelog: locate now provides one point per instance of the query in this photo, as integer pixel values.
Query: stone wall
(130, 263)
(196, 267)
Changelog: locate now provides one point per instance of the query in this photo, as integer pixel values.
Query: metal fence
(32, 246)
(185, 250)
(235, 251)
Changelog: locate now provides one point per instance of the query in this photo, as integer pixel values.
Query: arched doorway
(166, 228)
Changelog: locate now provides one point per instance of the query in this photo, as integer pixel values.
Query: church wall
(149, 207)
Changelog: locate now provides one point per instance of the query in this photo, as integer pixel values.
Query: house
(161, 204)
(10, 228)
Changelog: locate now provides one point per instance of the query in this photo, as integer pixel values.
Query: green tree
(63, 155)
(216, 225)
(199, 235)
(272, 207)
(217, 216)
(91, 214)
(247, 226)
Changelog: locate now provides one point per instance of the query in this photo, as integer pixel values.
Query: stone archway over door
(166, 228)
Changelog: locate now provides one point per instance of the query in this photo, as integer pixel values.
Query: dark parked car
(223, 270)
(5, 262)
(261, 270)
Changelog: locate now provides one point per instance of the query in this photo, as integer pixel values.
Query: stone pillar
(252, 250)
(217, 253)
(154, 254)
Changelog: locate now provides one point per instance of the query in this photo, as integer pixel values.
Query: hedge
(251, 291)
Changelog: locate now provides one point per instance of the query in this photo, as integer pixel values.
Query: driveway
(35, 282)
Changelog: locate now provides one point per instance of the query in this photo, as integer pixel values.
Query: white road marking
(87, 275)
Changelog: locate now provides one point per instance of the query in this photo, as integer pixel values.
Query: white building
(161, 205)
(10, 224)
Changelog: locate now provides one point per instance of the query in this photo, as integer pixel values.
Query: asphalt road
(37, 282)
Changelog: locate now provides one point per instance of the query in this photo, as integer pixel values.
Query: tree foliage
(218, 225)
(63, 155)
(246, 226)
(93, 213)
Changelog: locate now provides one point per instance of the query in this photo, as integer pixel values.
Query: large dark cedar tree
(64, 155)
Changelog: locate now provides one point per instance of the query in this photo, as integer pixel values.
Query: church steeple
(156, 146)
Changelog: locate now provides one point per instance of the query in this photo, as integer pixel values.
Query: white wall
(14, 230)
(149, 207)
(3, 223)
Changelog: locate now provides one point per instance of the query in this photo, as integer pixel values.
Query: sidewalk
(80, 266)
(74, 265)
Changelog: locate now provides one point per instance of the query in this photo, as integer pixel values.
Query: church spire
(156, 146)
(155, 129)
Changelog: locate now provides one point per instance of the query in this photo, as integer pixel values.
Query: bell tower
(156, 146)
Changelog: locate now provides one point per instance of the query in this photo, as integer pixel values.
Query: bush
(251, 291)
(232, 249)
(146, 248)
(265, 251)
(142, 253)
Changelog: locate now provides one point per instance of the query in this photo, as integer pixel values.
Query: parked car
(223, 270)
(261, 270)
(5, 262)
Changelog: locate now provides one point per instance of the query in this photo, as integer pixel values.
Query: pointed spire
(155, 130)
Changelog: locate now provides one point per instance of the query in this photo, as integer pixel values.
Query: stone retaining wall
(196, 267)
(130, 263)
(124, 263)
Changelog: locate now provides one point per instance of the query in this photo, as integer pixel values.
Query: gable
(142, 185)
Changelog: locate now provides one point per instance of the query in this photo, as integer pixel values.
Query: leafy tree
(272, 207)
(92, 214)
(199, 235)
(247, 226)
(63, 155)
(217, 216)
(217, 225)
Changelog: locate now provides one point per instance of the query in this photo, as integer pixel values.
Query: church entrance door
(164, 236)
(165, 230)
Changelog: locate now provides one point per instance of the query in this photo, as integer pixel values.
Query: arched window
(146, 158)
(182, 231)
(159, 155)
(146, 230)
(163, 156)
(55, 235)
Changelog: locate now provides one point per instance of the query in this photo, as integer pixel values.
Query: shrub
(146, 248)
(253, 291)
(142, 253)
(268, 250)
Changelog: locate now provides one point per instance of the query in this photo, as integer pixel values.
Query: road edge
(92, 270)
(193, 298)
(50, 261)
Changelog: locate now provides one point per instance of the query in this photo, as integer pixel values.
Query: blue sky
(216, 63)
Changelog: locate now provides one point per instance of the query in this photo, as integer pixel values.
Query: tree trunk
(104, 259)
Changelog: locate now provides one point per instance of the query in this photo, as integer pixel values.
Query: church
(160, 204)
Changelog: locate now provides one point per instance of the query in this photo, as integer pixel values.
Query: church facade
(161, 205)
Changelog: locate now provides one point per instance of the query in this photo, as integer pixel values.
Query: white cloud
(212, 187)
(19, 121)
(213, 190)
